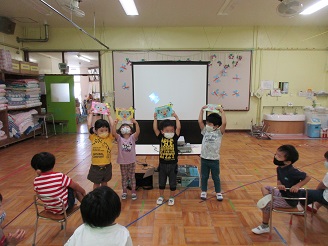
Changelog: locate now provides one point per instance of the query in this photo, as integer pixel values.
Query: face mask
(209, 128)
(326, 164)
(125, 130)
(2, 217)
(103, 135)
(278, 163)
(169, 135)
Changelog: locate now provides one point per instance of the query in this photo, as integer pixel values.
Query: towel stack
(21, 123)
(3, 100)
(2, 133)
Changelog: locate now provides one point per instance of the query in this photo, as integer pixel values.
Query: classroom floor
(246, 165)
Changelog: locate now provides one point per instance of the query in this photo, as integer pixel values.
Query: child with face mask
(287, 177)
(126, 156)
(100, 171)
(320, 195)
(210, 152)
(168, 155)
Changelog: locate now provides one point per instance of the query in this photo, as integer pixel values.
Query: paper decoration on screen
(216, 78)
(122, 68)
(223, 94)
(124, 86)
(164, 112)
(213, 57)
(213, 108)
(236, 93)
(128, 62)
(215, 93)
(100, 108)
(124, 115)
(236, 78)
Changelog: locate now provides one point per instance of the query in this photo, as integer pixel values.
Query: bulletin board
(229, 75)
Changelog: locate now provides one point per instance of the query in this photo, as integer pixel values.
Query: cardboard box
(34, 68)
(24, 67)
(188, 176)
(15, 66)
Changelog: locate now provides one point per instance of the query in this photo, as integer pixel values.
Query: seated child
(287, 177)
(99, 209)
(54, 184)
(320, 195)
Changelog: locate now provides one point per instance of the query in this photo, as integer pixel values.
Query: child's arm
(200, 118)
(113, 129)
(157, 132)
(300, 184)
(136, 134)
(177, 123)
(321, 186)
(76, 187)
(224, 120)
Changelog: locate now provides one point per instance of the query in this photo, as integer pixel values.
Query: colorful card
(213, 108)
(124, 115)
(164, 112)
(100, 108)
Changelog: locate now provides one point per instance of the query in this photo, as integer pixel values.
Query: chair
(42, 213)
(291, 211)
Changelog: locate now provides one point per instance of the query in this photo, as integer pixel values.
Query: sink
(284, 117)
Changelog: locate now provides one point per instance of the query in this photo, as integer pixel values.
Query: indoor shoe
(311, 209)
(124, 196)
(160, 200)
(219, 197)
(134, 196)
(171, 201)
(264, 201)
(260, 230)
(203, 195)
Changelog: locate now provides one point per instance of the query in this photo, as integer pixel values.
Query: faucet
(295, 112)
(272, 110)
(283, 110)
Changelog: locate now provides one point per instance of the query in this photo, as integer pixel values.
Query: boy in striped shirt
(54, 184)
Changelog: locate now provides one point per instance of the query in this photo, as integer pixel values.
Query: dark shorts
(100, 174)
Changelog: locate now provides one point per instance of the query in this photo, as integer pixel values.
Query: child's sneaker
(264, 201)
(124, 196)
(134, 196)
(203, 195)
(261, 229)
(312, 209)
(160, 200)
(171, 201)
(219, 197)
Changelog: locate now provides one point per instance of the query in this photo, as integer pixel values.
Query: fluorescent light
(83, 58)
(315, 7)
(129, 7)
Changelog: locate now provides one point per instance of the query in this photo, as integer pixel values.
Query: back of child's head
(43, 161)
(100, 207)
(326, 155)
(290, 152)
(215, 119)
(119, 131)
(165, 123)
(99, 124)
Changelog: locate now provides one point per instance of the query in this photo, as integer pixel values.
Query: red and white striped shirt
(53, 184)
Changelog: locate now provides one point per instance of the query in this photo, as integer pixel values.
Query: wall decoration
(125, 87)
(93, 74)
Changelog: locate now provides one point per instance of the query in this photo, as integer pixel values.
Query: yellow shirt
(101, 149)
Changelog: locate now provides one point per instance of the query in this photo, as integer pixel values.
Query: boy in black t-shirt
(168, 155)
(287, 177)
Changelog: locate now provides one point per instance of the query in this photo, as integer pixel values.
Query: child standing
(287, 177)
(168, 155)
(54, 184)
(99, 209)
(210, 151)
(320, 195)
(102, 142)
(126, 156)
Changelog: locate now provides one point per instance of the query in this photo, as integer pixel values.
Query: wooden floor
(246, 165)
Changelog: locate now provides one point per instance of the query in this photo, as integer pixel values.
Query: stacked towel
(2, 133)
(21, 123)
(3, 99)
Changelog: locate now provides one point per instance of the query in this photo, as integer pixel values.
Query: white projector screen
(182, 84)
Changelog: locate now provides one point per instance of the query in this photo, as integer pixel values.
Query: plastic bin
(314, 128)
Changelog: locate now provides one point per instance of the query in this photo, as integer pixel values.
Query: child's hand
(174, 114)
(108, 111)
(294, 189)
(14, 239)
(281, 187)
(221, 109)
(115, 121)
(204, 107)
(155, 116)
(133, 120)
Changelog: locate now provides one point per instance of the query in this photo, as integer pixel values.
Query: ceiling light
(315, 7)
(129, 7)
(83, 58)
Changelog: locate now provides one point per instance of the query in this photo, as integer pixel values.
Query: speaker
(6, 25)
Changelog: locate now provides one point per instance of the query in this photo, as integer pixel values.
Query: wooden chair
(42, 213)
(291, 211)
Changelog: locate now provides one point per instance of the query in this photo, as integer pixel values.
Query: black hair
(119, 129)
(43, 161)
(0, 197)
(215, 119)
(100, 207)
(165, 123)
(291, 154)
(99, 124)
(326, 155)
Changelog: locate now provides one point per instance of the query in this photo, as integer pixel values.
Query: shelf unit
(4, 75)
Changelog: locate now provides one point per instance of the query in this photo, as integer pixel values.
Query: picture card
(164, 112)
(100, 108)
(124, 115)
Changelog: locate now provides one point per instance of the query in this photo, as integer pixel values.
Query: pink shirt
(126, 150)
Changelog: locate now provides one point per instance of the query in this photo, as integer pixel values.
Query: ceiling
(160, 13)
